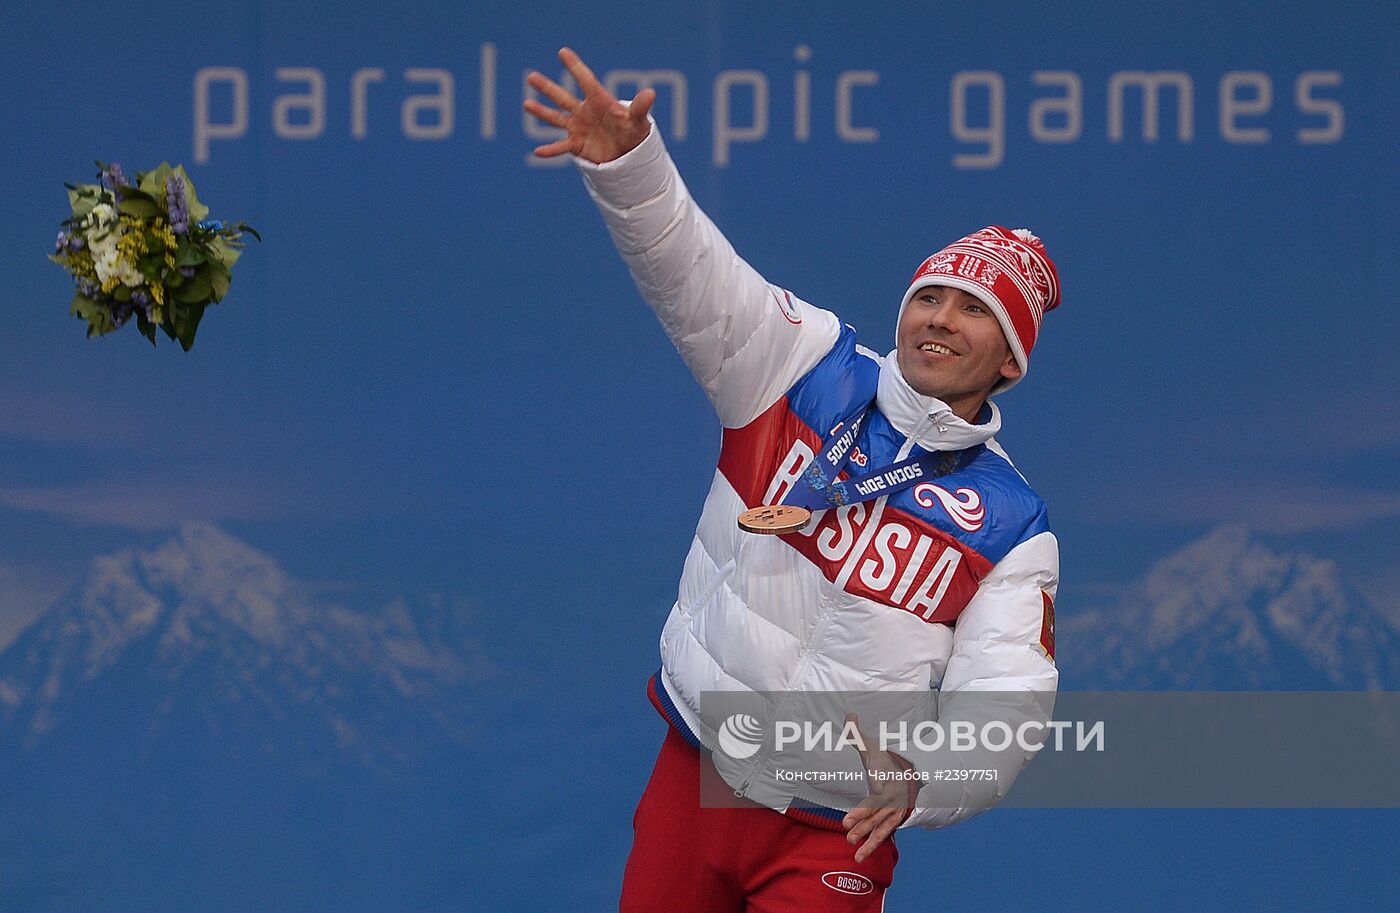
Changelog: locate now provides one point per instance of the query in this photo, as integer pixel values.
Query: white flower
(104, 254)
(104, 261)
(109, 264)
(103, 231)
(102, 214)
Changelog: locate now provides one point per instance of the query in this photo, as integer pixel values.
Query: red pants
(688, 859)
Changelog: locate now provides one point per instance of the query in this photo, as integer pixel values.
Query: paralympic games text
(741, 101)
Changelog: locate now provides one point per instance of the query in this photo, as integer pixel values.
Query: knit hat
(1009, 271)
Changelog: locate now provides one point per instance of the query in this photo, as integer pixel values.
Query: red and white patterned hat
(1009, 271)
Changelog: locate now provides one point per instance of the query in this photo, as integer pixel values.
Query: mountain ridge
(1229, 612)
(206, 621)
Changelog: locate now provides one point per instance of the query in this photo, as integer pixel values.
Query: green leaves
(195, 290)
(147, 328)
(198, 211)
(139, 205)
(82, 198)
(98, 317)
(184, 322)
(188, 254)
(153, 184)
(222, 252)
(219, 280)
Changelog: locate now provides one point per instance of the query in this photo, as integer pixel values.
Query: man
(907, 555)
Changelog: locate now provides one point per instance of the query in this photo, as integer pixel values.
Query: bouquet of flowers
(145, 248)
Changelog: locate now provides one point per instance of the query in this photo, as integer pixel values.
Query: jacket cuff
(632, 179)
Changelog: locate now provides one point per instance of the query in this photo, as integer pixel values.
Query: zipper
(877, 509)
(804, 660)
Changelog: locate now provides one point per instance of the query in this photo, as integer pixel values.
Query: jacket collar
(929, 421)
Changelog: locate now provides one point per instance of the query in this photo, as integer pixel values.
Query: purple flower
(76, 243)
(87, 288)
(113, 178)
(188, 271)
(61, 242)
(176, 205)
(121, 311)
(141, 300)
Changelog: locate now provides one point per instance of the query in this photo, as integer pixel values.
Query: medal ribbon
(818, 488)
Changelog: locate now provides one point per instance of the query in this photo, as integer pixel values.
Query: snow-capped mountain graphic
(1229, 612)
(204, 639)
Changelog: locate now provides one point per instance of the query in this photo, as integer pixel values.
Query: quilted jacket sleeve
(999, 671)
(745, 341)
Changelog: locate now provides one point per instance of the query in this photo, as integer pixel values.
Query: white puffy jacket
(944, 589)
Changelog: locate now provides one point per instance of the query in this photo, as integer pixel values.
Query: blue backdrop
(433, 421)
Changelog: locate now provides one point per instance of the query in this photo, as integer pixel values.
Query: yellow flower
(167, 237)
(132, 243)
(79, 263)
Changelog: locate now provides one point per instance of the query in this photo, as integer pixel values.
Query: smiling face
(951, 346)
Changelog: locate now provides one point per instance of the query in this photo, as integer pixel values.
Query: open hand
(600, 128)
(888, 802)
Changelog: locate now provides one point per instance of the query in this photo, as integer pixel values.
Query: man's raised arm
(745, 340)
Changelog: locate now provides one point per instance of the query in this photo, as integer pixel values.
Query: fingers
(558, 147)
(588, 83)
(856, 817)
(866, 817)
(876, 838)
(641, 105)
(875, 823)
(882, 802)
(553, 91)
(552, 116)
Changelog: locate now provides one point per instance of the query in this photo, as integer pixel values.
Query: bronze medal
(774, 520)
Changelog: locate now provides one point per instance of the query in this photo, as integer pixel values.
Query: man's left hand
(888, 801)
